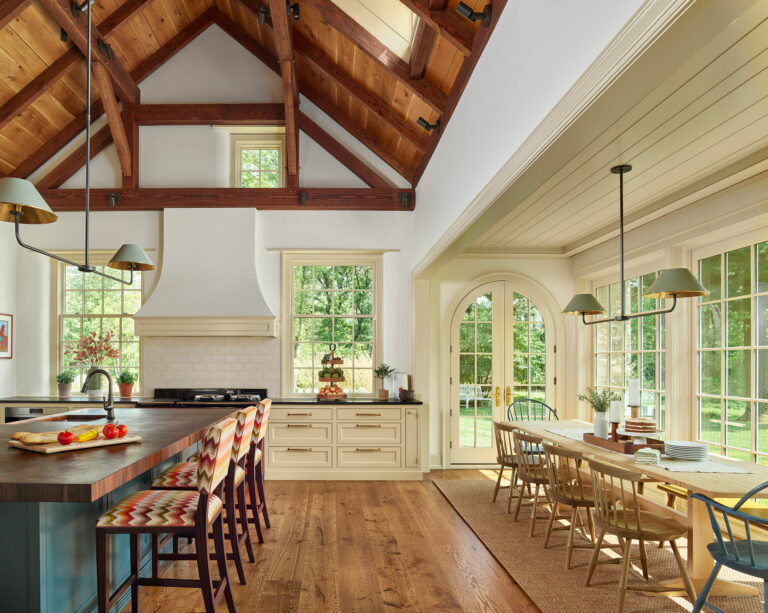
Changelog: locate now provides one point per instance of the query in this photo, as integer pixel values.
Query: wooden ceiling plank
(125, 13)
(423, 42)
(449, 24)
(342, 154)
(481, 39)
(157, 199)
(77, 31)
(210, 114)
(238, 33)
(9, 9)
(30, 92)
(114, 118)
(284, 47)
(371, 46)
(75, 161)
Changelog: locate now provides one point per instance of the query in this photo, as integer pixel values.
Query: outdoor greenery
(260, 167)
(333, 303)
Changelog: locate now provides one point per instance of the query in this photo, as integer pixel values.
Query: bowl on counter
(406, 395)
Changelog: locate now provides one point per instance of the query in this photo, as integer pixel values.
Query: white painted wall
(33, 306)
(537, 51)
(8, 258)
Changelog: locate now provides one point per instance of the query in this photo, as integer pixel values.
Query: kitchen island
(49, 504)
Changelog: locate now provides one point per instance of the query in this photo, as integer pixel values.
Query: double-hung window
(257, 160)
(330, 299)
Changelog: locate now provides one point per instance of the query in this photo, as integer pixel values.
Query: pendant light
(671, 283)
(21, 203)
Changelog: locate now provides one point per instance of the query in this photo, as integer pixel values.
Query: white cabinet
(344, 441)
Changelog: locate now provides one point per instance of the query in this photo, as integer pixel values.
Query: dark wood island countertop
(87, 475)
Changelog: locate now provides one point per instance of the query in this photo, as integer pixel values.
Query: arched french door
(500, 350)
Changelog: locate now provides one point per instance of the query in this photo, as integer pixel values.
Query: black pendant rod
(87, 266)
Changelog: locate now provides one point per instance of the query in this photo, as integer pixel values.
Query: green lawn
(467, 432)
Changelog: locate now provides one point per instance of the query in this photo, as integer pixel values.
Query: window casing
(633, 349)
(731, 326)
(91, 303)
(330, 299)
(257, 160)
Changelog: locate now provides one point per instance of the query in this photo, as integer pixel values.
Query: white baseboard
(435, 461)
(287, 474)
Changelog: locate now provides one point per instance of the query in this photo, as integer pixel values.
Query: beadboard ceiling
(691, 111)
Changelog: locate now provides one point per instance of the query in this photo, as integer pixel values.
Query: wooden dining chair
(505, 456)
(531, 470)
(618, 512)
(568, 487)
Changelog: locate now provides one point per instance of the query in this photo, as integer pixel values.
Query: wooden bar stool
(618, 512)
(183, 476)
(505, 456)
(567, 487)
(532, 470)
(255, 469)
(185, 513)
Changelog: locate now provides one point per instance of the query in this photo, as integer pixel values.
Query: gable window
(732, 353)
(257, 160)
(92, 303)
(633, 349)
(331, 300)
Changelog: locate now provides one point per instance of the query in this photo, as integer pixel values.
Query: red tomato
(66, 437)
(109, 431)
(122, 430)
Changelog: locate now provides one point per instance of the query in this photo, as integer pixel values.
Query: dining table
(566, 433)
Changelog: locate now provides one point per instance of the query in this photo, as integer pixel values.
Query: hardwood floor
(360, 546)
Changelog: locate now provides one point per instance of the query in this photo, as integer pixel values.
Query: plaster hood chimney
(208, 284)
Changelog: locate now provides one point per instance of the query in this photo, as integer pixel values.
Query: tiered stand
(330, 360)
(625, 442)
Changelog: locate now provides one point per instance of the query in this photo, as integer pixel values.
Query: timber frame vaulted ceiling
(325, 55)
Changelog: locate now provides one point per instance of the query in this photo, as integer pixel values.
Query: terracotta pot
(383, 394)
(125, 389)
(65, 390)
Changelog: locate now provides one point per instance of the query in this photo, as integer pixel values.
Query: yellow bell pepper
(87, 436)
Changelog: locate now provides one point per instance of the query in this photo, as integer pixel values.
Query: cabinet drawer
(369, 414)
(368, 457)
(301, 414)
(300, 457)
(386, 433)
(300, 433)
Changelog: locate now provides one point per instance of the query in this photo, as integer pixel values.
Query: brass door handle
(299, 425)
(508, 396)
(497, 395)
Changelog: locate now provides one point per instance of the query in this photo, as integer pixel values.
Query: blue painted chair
(529, 409)
(744, 555)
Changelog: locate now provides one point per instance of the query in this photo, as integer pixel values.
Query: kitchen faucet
(109, 401)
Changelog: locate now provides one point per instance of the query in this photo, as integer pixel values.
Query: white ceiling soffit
(388, 20)
(694, 106)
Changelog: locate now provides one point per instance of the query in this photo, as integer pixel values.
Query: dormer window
(258, 160)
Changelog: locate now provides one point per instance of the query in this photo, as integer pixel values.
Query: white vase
(601, 425)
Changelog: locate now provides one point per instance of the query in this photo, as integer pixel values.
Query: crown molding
(206, 326)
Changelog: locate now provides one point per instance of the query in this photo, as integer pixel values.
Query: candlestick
(633, 393)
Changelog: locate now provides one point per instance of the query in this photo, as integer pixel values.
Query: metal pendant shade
(131, 257)
(21, 196)
(678, 282)
(584, 303)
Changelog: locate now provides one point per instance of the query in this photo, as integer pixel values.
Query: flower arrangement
(92, 349)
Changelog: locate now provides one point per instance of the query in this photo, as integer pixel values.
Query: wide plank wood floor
(360, 546)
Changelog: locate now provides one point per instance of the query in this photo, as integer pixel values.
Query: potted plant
(125, 382)
(91, 350)
(600, 403)
(383, 371)
(64, 380)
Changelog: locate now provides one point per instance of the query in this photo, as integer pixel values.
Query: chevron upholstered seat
(158, 508)
(183, 476)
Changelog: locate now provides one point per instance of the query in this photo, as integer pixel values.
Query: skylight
(388, 20)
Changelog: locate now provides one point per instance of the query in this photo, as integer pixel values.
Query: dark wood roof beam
(375, 49)
(436, 5)
(210, 114)
(132, 133)
(286, 198)
(449, 24)
(114, 118)
(423, 41)
(9, 9)
(77, 29)
(342, 154)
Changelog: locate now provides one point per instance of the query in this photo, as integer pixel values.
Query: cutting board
(58, 447)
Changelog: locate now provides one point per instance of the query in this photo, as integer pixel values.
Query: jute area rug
(541, 572)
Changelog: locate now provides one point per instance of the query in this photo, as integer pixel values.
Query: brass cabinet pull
(369, 449)
(298, 425)
(508, 396)
(368, 414)
(299, 414)
(299, 449)
(367, 425)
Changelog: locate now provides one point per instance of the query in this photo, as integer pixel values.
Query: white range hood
(208, 284)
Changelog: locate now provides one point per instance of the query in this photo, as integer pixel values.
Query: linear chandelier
(21, 203)
(671, 283)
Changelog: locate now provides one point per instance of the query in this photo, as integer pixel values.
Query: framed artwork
(6, 336)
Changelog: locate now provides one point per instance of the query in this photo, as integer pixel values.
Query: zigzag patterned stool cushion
(183, 476)
(159, 508)
(195, 456)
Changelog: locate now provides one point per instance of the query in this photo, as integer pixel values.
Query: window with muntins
(732, 353)
(633, 349)
(91, 303)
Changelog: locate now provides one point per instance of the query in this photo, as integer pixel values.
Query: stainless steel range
(200, 397)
